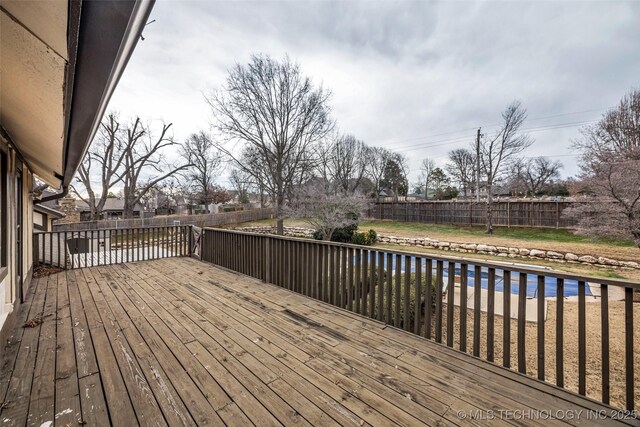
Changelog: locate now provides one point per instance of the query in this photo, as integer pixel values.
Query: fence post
(190, 240)
(508, 214)
(557, 214)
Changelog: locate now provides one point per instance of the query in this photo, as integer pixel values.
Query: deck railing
(89, 248)
(543, 323)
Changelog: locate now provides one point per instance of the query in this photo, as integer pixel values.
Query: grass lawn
(533, 238)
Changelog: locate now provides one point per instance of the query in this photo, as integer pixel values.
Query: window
(3, 208)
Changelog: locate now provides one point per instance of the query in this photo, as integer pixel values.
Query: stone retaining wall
(474, 248)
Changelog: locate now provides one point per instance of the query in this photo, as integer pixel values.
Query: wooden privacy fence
(202, 220)
(497, 311)
(536, 213)
(89, 248)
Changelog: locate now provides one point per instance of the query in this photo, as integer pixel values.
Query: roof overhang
(60, 61)
(44, 209)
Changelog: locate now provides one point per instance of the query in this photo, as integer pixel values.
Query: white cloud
(399, 70)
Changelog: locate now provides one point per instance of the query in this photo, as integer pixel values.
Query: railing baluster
(540, 315)
(358, 284)
(350, 279)
(439, 283)
(477, 293)
(522, 318)
(451, 290)
(491, 299)
(380, 285)
(429, 296)
(365, 282)
(397, 288)
(372, 285)
(417, 320)
(388, 285)
(464, 283)
(582, 339)
(628, 346)
(506, 318)
(560, 333)
(406, 318)
(604, 316)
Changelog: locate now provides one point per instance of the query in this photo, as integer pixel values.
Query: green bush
(341, 235)
(367, 239)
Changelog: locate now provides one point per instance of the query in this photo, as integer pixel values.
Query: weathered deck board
(179, 342)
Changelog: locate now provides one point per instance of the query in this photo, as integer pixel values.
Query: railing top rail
(95, 230)
(481, 202)
(474, 261)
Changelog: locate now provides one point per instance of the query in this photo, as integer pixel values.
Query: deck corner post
(190, 240)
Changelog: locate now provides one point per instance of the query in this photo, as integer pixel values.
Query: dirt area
(593, 337)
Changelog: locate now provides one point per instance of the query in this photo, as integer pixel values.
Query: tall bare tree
(535, 173)
(270, 106)
(343, 163)
(426, 171)
(144, 163)
(395, 175)
(499, 151)
(461, 167)
(104, 161)
(377, 160)
(200, 151)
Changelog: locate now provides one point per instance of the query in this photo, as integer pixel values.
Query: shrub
(342, 235)
(366, 239)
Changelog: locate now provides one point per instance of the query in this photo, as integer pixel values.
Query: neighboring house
(113, 209)
(43, 217)
(60, 62)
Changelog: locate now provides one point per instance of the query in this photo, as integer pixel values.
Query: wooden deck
(179, 342)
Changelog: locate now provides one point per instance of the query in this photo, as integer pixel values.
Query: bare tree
(395, 175)
(377, 160)
(104, 160)
(200, 151)
(614, 209)
(461, 167)
(271, 107)
(343, 163)
(324, 211)
(611, 165)
(241, 181)
(497, 152)
(536, 173)
(426, 171)
(144, 163)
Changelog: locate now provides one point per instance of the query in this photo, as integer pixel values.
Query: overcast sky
(416, 77)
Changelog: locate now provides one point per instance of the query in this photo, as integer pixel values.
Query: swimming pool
(550, 282)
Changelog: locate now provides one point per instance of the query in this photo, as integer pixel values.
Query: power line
(417, 138)
(468, 137)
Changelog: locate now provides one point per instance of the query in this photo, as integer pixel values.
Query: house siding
(9, 288)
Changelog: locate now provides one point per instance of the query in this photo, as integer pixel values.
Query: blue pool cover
(550, 282)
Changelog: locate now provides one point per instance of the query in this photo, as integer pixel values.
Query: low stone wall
(473, 248)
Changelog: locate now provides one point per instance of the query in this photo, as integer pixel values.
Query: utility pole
(478, 166)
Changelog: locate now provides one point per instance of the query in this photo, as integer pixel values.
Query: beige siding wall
(9, 293)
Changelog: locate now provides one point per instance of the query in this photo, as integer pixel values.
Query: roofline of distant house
(47, 210)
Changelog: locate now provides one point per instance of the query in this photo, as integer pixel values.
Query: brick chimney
(68, 207)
